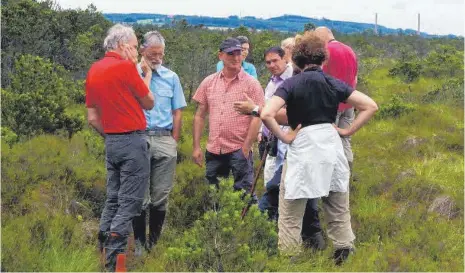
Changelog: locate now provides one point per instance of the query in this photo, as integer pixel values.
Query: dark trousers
(221, 165)
(127, 175)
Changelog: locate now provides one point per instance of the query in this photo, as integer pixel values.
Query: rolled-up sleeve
(179, 101)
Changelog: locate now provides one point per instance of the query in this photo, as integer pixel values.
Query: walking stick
(257, 175)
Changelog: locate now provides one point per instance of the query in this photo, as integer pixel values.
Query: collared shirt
(248, 68)
(113, 86)
(342, 65)
(270, 89)
(227, 128)
(167, 90)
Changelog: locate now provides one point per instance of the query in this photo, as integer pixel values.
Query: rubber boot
(156, 220)
(139, 226)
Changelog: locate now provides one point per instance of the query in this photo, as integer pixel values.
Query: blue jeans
(128, 168)
(221, 165)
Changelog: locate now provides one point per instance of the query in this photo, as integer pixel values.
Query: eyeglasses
(154, 55)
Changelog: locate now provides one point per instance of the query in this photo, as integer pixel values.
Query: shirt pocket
(163, 100)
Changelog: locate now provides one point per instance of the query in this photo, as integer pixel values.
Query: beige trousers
(291, 213)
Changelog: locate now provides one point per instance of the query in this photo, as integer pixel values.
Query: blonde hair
(288, 43)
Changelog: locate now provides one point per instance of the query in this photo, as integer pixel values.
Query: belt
(126, 133)
(158, 132)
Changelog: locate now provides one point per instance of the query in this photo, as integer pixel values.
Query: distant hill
(285, 23)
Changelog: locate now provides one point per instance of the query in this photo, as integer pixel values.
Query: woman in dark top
(316, 165)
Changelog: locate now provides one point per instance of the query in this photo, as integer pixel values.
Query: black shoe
(340, 255)
(315, 242)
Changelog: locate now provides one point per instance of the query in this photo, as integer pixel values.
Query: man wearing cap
(231, 134)
(248, 67)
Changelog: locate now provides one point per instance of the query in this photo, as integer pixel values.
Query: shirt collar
(113, 54)
(313, 68)
(239, 76)
(286, 74)
(159, 70)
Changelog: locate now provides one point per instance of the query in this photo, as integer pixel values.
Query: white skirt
(316, 163)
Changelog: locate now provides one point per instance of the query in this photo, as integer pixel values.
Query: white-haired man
(163, 131)
(115, 97)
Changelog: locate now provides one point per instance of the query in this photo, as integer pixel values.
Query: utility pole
(418, 31)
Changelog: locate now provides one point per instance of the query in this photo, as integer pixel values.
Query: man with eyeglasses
(231, 135)
(163, 131)
(248, 67)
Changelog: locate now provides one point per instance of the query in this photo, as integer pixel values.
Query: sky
(437, 16)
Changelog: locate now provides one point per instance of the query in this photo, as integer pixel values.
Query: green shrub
(221, 240)
(395, 108)
(45, 242)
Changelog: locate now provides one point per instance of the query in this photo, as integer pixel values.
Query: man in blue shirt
(248, 67)
(163, 130)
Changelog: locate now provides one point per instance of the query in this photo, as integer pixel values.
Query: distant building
(145, 22)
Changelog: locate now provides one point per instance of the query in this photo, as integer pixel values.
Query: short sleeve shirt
(342, 65)
(169, 96)
(312, 97)
(227, 128)
(113, 86)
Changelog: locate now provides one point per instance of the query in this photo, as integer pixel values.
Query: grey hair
(117, 34)
(153, 38)
(243, 39)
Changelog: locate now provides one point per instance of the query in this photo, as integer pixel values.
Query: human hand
(291, 135)
(244, 107)
(197, 157)
(343, 132)
(245, 151)
(129, 54)
(145, 66)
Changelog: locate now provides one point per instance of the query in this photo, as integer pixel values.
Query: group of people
(307, 109)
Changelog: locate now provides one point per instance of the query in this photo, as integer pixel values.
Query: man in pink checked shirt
(231, 134)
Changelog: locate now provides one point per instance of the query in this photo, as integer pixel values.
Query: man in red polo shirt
(115, 96)
(342, 65)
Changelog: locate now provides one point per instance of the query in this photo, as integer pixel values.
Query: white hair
(117, 34)
(288, 42)
(153, 38)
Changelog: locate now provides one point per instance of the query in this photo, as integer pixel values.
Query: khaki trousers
(291, 213)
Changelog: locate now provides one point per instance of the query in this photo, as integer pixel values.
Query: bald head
(324, 33)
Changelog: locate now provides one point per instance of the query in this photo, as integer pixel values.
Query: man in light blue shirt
(163, 130)
(248, 67)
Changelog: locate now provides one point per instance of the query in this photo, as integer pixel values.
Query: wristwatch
(255, 111)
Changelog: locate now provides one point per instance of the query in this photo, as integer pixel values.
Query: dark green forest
(407, 200)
